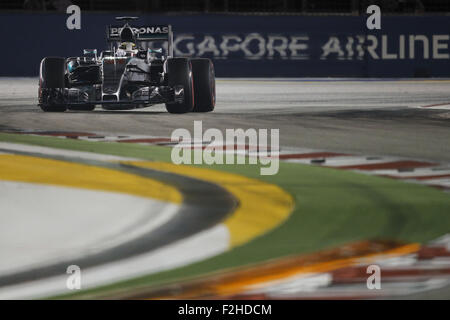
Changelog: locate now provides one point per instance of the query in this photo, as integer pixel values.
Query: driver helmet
(127, 49)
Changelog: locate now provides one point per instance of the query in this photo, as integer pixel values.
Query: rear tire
(179, 71)
(204, 85)
(51, 84)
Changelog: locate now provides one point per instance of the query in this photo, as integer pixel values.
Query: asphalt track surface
(359, 116)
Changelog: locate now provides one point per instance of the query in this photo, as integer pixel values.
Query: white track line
(195, 248)
(340, 161)
(356, 160)
(59, 223)
(111, 138)
(416, 173)
(437, 107)
(445, 183)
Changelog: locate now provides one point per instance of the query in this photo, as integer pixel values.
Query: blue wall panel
(250, 46)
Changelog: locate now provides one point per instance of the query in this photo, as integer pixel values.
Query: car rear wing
(144, 34)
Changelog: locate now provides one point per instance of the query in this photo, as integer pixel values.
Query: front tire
(204, 85)
(51, 84)
(179, 72)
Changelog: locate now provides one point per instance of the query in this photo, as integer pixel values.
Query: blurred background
(247, 38)
(235, 6)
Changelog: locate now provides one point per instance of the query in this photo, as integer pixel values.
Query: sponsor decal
(341, 47)
(149, 30)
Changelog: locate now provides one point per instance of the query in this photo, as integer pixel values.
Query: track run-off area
(363, 178)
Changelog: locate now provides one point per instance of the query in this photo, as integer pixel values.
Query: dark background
(33, 29)
(234, 6)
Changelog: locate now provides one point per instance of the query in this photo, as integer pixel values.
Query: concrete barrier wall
(251, 46)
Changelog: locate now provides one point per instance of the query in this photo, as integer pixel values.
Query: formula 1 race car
(132, 73)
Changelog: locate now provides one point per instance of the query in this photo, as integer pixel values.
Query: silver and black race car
(132, 73)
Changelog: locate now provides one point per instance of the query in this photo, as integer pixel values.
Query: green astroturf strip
(332, 207)
(112, 148)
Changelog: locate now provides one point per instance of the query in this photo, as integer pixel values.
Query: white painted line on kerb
(417, 173)
(195, 248)
(111, 138)
(355, 160)
(438, 182)
(58, 223)
(437, 107)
